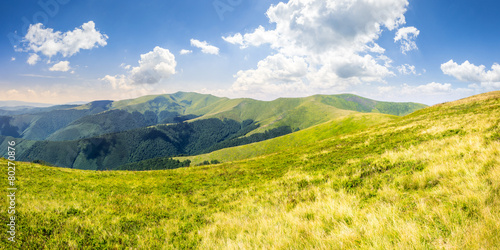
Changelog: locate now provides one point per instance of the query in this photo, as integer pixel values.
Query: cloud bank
(468, 72)
(320, 45)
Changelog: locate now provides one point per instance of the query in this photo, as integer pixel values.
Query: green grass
(309, 136)
(430, 180)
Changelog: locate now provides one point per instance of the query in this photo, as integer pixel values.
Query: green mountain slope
(112, 150)
(106, 134)
(103, 117)
(428, 180)
(343, 125)
(309, 136)
(40, 123)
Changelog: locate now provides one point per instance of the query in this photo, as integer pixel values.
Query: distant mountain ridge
(107, 126)
(13, 103)
(70, 122)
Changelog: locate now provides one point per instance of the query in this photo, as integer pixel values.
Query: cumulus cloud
(468, 72)
(62, 66)
(407, 36)
(153, 67)
(326, 45)
(205, 47)
(406, 69)
(33, 59)
(285, 71)
(258, 37)
(50, 42)
(12, 59)
(185, 51)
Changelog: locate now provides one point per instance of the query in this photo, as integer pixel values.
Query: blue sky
(394, 50)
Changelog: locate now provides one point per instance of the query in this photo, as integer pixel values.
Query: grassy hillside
(428, 180)
(301, 113)
(358, 103)
(312, 135)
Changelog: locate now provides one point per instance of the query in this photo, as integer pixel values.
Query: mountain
(63, 123)
(429, 180)
(40, 123)
(105, 134)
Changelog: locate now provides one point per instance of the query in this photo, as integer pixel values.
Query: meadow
(428, 180)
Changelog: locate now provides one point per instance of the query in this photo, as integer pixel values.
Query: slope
(65, 123)
(40, 123)
(112, 150)
(428, 180)
(312, 135)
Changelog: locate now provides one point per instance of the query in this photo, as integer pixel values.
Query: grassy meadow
(428, 180)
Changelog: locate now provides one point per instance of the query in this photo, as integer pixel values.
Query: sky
(426, 51)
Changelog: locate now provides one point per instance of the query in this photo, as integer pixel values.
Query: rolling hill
(429, 180)
(71, 122)
(106, 134)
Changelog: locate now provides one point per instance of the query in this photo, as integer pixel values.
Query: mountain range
(108, 134)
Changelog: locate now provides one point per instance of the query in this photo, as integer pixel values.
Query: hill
(107, 134)
(66, 122)
(427, 180)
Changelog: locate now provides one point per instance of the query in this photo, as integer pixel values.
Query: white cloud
(33, 59)
(258, 37)
(62, 66)
(185, 51)
(205, 47)
(407, 36)
(430, 88)
(50, 43)
(12, 59)
(125, 66)
(153, 67)
(235, 39)
(118, 82)
(430, 93)
(468, 72)
(287, 73)
(406, 69)
(326, 45)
